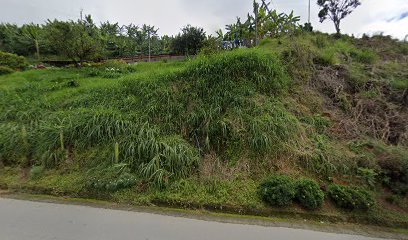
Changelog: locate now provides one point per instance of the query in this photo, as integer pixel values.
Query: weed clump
(365, 56)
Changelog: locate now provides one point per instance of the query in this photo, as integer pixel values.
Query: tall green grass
(157, 120)
(222, 99)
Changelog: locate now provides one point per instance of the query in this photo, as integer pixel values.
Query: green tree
(166, 43)
(336, 10)
(190, 40)
(79, 41)
(13, 41)
(150, 41)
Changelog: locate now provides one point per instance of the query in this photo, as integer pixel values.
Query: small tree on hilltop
(336, 10)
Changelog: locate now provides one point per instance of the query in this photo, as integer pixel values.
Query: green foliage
(110, 178)
(368, 176)
(215, 100)
(14, 144)
(299, 61)
(395, 173)
(328, 158)
(211, 45)
(365, 56)
(326, 57)
(400, 84)
(309, 194)
(12, 61)
(321, 41)
(5, 70)
(358, 78)
(13, 40)
(391, 162)
(32, 32)
(318, 122)
(190, 41)
(36, 172)
(172, 159)
(260, 24)
(78, 40)
(277, 190)
(109, 69)
(73, 83)
(160, 118)
(351, 198)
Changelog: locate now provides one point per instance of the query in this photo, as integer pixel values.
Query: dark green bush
(396, 185)
(277, 190)
(309, 194)
(12, 61)
(351, 198)
(5, 70)
(395, 172)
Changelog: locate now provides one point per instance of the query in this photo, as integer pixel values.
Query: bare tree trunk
(337, 26)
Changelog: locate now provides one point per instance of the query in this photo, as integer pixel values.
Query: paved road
(24, 220)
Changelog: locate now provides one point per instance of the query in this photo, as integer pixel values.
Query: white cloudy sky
(388, 16)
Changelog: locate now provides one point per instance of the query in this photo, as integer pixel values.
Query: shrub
(111, 178)
(367, 176)
(395, 172)
(277, 190)
(72, 83)
(5, 70)
(351, 198)
(309, 194)
(12, 61)
(365, 56)
(36, 172)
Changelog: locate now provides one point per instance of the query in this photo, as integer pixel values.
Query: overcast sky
(388, 16)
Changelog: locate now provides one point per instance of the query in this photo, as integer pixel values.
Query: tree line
(83, 39)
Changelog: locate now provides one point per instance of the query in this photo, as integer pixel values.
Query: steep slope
(208, 130)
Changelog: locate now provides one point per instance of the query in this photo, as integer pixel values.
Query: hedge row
(280, 191)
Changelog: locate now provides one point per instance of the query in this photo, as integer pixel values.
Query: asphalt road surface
(26, 220)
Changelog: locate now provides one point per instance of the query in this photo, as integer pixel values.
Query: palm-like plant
(262, 23)
(32, 32)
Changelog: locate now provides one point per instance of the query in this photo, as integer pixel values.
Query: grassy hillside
(208, 131)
